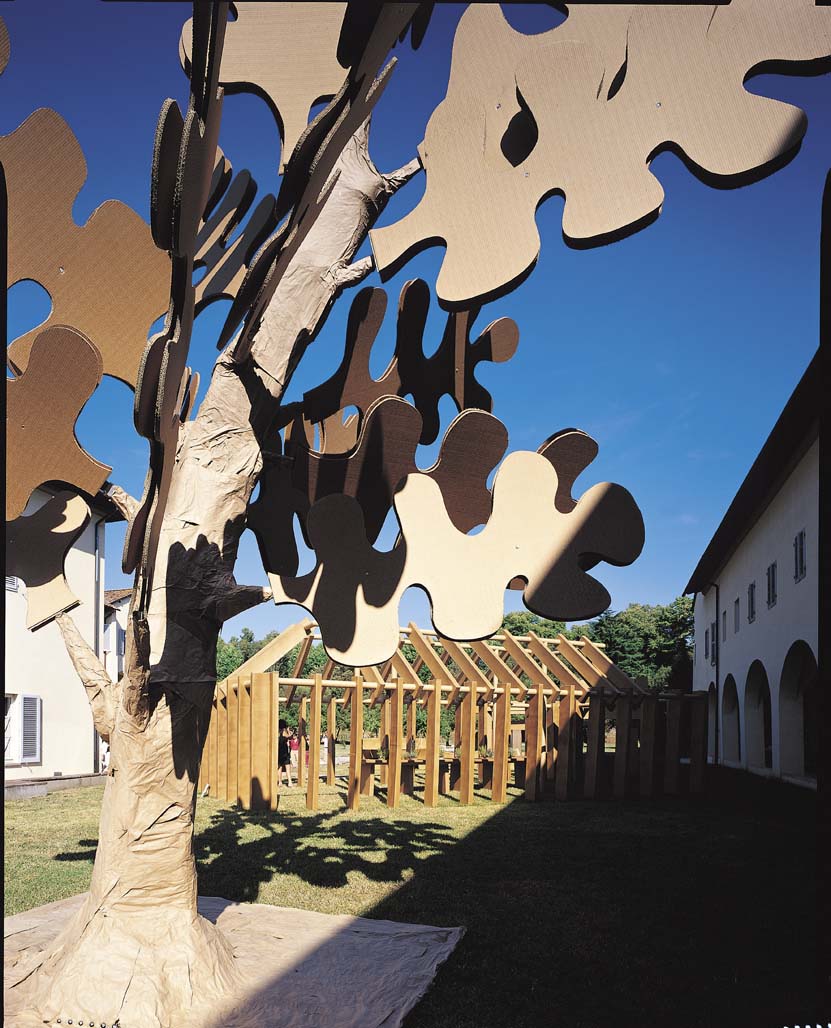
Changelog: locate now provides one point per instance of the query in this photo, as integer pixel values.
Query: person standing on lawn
(284, 755)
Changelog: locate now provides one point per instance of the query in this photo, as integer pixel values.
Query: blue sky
(676, 348)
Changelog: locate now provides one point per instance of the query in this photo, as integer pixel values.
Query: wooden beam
(564, 675)
(673, 744)
(356, 744)
(533, 723)
(313, 784)
(396, 703)
(623, 742)
(231, 752)
(426, 652)
(301, 749)
(616, 675)
(500, 667)
(221, 784)
(244, 761)
(274, 718)
(331, 725)
(649, 727)
(467, 742)
(262, 744)
(302, 656)
(595, 747)
(431, 767)
(550, 729)
(698, 740)
(593, 675)
(276, 648)
(567, 739)
(404, 669)
(533, 669)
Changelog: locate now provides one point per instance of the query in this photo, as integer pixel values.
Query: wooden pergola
(563, 690)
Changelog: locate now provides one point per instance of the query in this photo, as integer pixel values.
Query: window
(12, 584)
(751, 603)
(23, 724)
(799, 556)
(724, 626)
(30, 730)
(10, 741)
(736, 615)
(713, 641)
(707, 644)
(771, 577)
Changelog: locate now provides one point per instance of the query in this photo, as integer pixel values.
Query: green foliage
(653, 642)
(521, 622)
(228, 658)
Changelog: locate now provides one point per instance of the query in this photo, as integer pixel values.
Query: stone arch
(757, 717)
(798, 711)
(731, 747)
(712, 715)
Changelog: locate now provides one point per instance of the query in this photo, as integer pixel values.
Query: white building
(48, 723)
(116, 609)
(756, 603)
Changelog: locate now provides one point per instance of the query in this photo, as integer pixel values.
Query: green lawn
(581, 915)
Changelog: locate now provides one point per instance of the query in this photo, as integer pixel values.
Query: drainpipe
(714, 585)
(97, 626)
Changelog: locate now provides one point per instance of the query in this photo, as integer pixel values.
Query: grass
(580, 915)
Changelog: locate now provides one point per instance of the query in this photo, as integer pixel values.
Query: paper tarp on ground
(304, 969)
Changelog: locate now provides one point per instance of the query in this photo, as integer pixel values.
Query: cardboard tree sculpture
(582, 109)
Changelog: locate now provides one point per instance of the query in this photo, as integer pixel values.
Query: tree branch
(396, 179)
(237, 599)
(101, 691)
(127, 504)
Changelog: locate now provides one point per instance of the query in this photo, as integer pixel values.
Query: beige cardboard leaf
(105, 278)
(354, 590)
(286, 53)
(36, 548)
(42, 407)
(449, 371)
(581, 110)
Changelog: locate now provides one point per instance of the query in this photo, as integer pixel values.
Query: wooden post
(261, 741)
(313, 784)
(502, 726)
(384, 734)
(623, 739)
(411, 723)
(566, 741)
(231, 755)
(431, 766)
(550, 739)
(673, 745)
(244, 750)
(301, 749)
(595, 745)
(468, 711)
(396, 704)
(649, 727)
(222, 746)
(533, 722)
(274, 686)
(485, 726)
(356, 745)
(209, 754)
(331, 718)
(698, 740)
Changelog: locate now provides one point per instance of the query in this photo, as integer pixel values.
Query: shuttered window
(30, 730)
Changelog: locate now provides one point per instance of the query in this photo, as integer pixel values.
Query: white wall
(37, 663)
(115, 638)
(794, 616)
